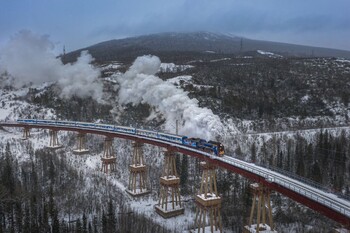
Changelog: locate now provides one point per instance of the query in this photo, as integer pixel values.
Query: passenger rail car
(208, 146)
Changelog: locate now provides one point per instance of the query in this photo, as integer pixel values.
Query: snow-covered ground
(269, 54)
(172, 68)
(13, 106)
(221, 59)
(186, 79)
(111, 66)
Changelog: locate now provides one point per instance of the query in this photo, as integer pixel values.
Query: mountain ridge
(197, 42)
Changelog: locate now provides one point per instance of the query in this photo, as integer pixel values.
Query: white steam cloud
(30, 58)
(140, 85)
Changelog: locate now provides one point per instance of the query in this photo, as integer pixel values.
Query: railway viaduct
(208, 200)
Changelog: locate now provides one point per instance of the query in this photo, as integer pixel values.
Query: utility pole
(177, 127)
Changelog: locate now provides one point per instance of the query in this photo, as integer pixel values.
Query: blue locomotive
(208, 146)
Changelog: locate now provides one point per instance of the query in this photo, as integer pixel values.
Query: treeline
(325, 159)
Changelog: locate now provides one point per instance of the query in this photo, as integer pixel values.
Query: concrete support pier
(81, 145)
(26, 133)
(262, 204)
(54, 144)
(109, 161)
(208, 202)
(138, 172)
(169, 185)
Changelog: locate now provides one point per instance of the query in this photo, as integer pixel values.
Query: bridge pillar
(81, 145)
(26, 133)
(54, 144)
(108, 159)
(263, 206)
(169, 185)
(138, 172)
(208, 201)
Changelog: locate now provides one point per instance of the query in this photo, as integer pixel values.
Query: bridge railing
(319, 195)
(305, 180)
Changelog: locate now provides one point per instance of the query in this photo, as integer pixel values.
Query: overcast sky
(80, 23)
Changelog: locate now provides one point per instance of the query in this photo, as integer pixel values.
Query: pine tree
(104, 223)
(84, 223)
(45, 218)
(94, 222)
(26, 223)
(19, 216)
(253, 153)
(316, 174)
(51, 205)
(184, 175)
(7, 175)
(90, 228)
(64, 227)
(111, 220)
(55, 222)
(78, 226)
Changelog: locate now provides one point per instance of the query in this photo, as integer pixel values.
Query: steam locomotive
(208, 146)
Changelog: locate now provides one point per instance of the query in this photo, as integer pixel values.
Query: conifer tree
(26, 223)
(78, 226)
(184, 174)
(111, 220)
(55, 222)
(84, 223)
(104, 223)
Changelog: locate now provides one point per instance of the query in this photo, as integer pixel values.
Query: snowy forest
(289, 114)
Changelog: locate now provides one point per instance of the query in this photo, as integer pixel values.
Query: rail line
(328, 204)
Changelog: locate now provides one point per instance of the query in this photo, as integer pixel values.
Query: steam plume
(29, 58)
(140, 85)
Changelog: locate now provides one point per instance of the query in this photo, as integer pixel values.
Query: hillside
(196, 42)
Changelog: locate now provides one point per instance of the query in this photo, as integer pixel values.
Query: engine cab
(219, 147)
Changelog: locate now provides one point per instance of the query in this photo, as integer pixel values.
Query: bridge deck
(327, 204)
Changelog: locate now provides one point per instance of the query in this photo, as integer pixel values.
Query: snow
(13, 107)
(343, 60)
(263, 228)
(269, 54)
(179, 223)
(89, 165)
(93, 162)
(172, 68)
(221, 59)
(170, 177)
(210, 196)
(112, 66)
(207, 229)
(195, 61)
(186, 79)
(305, 99)
(341, 230)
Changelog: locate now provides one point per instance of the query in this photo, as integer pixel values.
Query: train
(212, 147)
